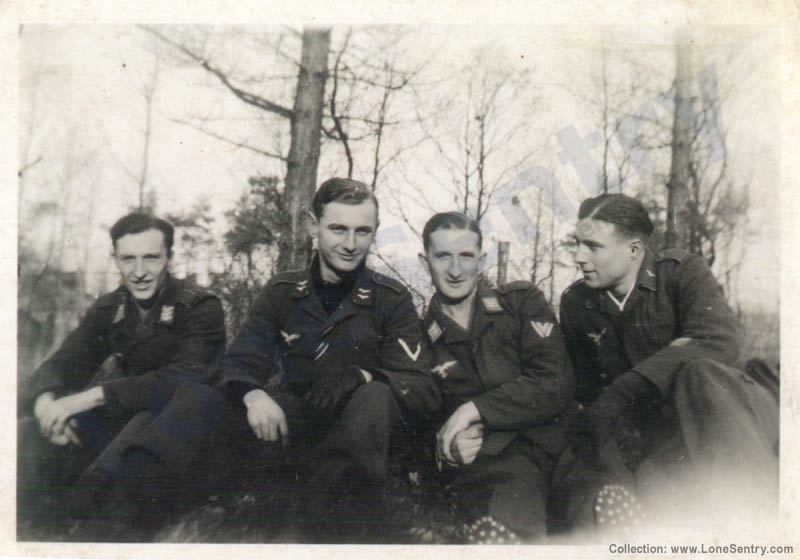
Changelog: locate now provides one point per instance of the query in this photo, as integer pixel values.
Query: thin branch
(229, 141)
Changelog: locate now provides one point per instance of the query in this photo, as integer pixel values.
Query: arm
(406, 360)
(706, 325)
(73, 365)
(251, 359)
(202, 337)
(544, 384)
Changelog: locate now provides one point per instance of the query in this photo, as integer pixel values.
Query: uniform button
(603, 376)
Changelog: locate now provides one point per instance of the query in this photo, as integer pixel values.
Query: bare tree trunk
(502, 263)
(678, 186)
(301, 175)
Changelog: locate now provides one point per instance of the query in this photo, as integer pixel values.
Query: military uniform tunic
(153, 377)
(513, 366)
(677, 331)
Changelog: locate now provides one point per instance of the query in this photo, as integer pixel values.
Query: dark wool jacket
(177, 341)
(289, 339)
(518, 372)
(676, 312)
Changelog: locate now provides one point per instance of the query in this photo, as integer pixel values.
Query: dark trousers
(119, 454)
(716, 419)
(511, 486)
(326, 454)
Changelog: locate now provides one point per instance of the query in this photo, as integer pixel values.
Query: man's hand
(54, 415)
(266, 417)
(467, 444)
(330, 388)
(464, 416)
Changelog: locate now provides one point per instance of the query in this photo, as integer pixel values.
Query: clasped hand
(55, 416)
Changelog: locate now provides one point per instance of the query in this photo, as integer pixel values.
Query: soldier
(157, 334)
(505, 379)
(329, 361)
(652, 340)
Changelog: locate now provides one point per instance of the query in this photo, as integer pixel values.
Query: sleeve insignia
(413, 355)
(542, 328)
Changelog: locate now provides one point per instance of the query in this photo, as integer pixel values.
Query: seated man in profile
(329, 362)
(652, 340)
(84, 437)
(505, 380)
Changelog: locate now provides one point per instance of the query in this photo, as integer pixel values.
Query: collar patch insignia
(441, 369)
(363, 295)
(413, 355)
(491, 304)
(167, 314)
(542, 328)
(596, 336)
(120, 313)
(434, 331)
(301, 289)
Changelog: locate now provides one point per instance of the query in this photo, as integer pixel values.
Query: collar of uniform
(363, 292)
(646, 278)
(647, 273)
(488, 299)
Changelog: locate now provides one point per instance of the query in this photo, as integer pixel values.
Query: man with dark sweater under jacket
(330, 361)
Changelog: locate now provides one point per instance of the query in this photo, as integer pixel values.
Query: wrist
(252, 397)
(96, 396)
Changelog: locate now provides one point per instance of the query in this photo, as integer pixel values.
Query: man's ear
(636, 247)
(481, 261)
(313, 225)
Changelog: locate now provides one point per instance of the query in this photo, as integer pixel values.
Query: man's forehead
(338, 212)
(455, 239)
(588, 228)
(149, 239)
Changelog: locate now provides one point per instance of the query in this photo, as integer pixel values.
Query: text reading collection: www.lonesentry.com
(750, 549)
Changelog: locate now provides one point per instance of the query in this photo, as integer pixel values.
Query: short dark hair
(449, 220)
(627, 214)
(137, 222)
(345, 191)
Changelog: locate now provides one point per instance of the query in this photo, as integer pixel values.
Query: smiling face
(607, 259)
(344, 233)
(453, 259)
(142, 260)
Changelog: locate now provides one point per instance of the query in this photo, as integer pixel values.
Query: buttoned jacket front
(289, 339)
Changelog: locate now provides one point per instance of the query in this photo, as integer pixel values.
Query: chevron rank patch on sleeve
(542, 328)
(413, 355)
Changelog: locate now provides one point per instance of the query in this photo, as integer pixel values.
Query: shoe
(488, 530)
(616, 506)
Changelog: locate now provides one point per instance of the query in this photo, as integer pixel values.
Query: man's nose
(350, 241)
(139, 270)
(581, 255)
(455, 268)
